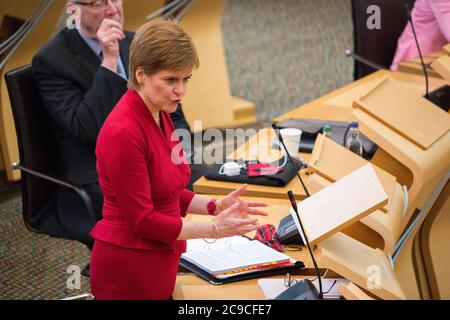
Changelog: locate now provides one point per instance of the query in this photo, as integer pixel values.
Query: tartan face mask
(268, 235)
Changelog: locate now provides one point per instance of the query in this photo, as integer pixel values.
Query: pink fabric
(431, 20)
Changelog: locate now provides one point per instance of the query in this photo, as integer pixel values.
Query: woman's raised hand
(233, 221)
(246, 207)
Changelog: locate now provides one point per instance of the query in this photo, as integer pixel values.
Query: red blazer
(144, 190)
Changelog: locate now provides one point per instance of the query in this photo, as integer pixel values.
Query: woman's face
(164, 89)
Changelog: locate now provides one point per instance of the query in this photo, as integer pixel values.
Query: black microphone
(277, 131)
(350, 54)
(287, 230)
(424, 67)
(441, 96)
(303, 289)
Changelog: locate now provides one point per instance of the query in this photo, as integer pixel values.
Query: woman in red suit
(139, 242)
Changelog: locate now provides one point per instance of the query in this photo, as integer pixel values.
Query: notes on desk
(229, 256)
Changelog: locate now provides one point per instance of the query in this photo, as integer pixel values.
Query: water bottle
(353, 142)
(326, 130)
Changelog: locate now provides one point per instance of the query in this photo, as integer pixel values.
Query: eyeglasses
(210, 245)
(97, 4)
(289, 282)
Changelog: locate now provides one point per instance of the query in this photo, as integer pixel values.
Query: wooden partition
(434, 238)
(415, 66)
(136, 12)
(403, 277)
(331, 162)
(420, 170)
(428, 167)
(209, 97)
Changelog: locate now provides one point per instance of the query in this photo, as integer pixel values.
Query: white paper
(274, 287)
(231, 254)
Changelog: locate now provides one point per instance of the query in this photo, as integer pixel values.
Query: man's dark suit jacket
(78, 94)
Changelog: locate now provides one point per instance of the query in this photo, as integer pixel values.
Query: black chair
(378, 46)
(39, 158)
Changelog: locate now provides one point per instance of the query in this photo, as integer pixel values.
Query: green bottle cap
(326, 128)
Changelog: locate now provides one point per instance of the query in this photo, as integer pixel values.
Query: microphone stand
(441, 96)
(294, 206)
(309, 291)
(277, 131)
(409, 15)
(357, 57)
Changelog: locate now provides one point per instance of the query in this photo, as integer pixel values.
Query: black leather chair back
(37, 148)
(377, 45)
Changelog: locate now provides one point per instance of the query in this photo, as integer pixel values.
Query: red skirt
(118, 273)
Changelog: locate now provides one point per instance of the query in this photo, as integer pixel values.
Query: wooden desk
(415, 66)
(420, 170)
(191, 287)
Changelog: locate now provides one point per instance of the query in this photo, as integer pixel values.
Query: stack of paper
(235, 255)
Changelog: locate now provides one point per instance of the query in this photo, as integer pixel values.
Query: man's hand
(109, 34)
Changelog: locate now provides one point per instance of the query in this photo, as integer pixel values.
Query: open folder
(235, 258)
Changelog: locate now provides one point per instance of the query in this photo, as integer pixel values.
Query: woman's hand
(244, 206)
(233, 221)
